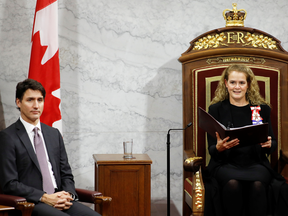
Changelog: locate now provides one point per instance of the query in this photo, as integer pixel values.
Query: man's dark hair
(22, 87)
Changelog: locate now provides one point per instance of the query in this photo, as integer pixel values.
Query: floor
(159, 208)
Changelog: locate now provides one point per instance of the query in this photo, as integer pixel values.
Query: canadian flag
(44, 60)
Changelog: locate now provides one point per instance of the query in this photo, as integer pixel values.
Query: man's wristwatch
(73, 196)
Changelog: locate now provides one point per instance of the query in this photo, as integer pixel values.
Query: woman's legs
(257, 199)
(232, 197)
(235, 192)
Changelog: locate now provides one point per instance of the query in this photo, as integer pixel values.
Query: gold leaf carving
(260, 41)
(211, 41)
(254, 40)
(236, 59)
(192, 159)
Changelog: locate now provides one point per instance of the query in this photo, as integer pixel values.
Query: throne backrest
(204, 62)
(202, 65)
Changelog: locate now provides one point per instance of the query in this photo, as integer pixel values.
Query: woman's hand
(223, 145)
(267, 144)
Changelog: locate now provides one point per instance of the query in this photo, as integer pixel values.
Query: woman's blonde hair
(252, 94)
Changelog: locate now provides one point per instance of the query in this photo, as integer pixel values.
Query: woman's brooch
(256, 118)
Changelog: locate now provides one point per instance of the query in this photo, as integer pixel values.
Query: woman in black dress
(243, 172)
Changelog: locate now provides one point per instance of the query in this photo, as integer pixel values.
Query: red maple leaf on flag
(44, 59)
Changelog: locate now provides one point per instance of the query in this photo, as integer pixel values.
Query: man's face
(31, 106)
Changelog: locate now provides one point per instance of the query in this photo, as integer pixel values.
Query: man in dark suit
(22, 173)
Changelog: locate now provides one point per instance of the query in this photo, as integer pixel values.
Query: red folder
(250, 134)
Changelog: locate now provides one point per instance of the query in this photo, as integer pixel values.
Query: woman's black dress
(242, 163)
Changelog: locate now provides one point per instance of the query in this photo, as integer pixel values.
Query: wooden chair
(96, 198)
(202, 65)
(4, 210)
(17, 203)
(26, 208)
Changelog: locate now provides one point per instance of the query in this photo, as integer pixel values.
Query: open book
(250, 134)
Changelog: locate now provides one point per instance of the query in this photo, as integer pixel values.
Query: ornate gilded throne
(202, 64)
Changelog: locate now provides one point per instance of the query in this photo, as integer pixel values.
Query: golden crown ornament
(234, 17)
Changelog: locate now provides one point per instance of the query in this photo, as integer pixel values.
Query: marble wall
(120, 77)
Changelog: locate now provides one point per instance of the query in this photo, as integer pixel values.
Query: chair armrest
(18, 203)
(191, 163)
(96, 198)
(10, 200)
(103, 203)
(87, 195)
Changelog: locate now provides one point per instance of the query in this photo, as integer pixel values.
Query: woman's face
(237, 86)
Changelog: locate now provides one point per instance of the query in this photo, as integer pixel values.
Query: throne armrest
(284, 156)
(18, 203)
(96, 198)
(194, 190)
(283, 161)
(192, 163)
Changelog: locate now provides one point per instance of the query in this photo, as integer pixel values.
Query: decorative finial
(234, 17)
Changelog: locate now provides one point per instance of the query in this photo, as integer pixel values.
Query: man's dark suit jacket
(20, 173)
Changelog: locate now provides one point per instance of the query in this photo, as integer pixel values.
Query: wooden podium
(127, 181)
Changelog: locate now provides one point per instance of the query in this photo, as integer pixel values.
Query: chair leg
(26, 208)
(103, 203)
